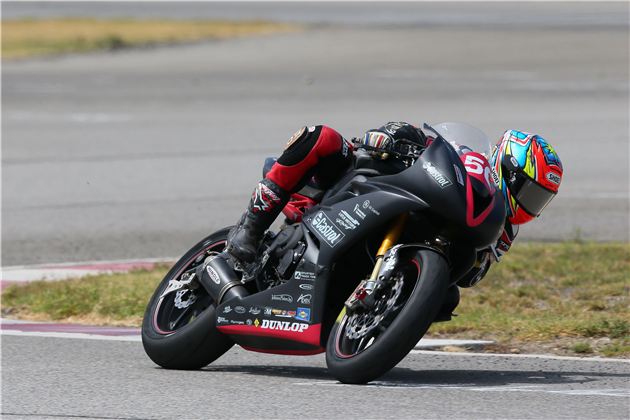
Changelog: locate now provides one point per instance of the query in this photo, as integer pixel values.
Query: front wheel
(178, 329)
(364, 345)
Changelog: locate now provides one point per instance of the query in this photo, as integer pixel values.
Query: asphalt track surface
(46, 378)
(141, 153)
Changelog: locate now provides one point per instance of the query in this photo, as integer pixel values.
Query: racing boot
(268, 200)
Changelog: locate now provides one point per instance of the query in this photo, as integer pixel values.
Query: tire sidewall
(194, 345)
(401, 336)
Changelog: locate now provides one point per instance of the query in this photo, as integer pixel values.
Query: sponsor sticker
(282, 298)
(306, 286)
(268, 324)
(305, 299)
(295, 136)
(233, 322)
(437, 176)
(249, 322)
(227, 309)
(254, 310)
(555, 178)
(221, 320)
(268, 311)
(256, 322)
(326, 229)
(214, 276)
(359, 212)
(368, 206)
(239, 310)
(304, 275)
(303, 314)
(346, 221)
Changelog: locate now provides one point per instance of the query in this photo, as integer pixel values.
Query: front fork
(362, 294)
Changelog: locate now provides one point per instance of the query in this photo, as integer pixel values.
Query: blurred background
(132, 130)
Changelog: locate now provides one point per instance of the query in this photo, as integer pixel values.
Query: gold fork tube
(388, 242)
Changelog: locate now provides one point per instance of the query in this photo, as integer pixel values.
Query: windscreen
(461, 134)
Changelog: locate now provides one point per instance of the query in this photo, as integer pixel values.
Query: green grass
(567, 298)
(551, 293)
(29, 37)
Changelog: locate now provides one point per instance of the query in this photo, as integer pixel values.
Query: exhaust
(220, 280)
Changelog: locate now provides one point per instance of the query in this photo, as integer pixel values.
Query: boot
(268, 200)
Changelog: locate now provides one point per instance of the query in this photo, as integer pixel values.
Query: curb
(63, 271)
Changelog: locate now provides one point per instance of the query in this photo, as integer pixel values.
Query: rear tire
(196, 342)
(409, 324)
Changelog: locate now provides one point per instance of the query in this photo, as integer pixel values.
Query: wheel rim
(179, 308)
(357, 332)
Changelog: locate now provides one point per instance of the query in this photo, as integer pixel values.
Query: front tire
(356, 359)
(179, 329)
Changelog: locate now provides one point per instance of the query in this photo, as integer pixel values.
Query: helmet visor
(532, 197)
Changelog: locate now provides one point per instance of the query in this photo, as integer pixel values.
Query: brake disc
(358, 325)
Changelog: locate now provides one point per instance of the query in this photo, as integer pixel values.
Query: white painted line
(79, 336)
(430, 343)
(525, 356)
(607, 392)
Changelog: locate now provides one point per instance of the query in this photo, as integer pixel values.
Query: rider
(526, 169)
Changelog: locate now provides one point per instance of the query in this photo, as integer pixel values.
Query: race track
(141, 153)
(51, 378)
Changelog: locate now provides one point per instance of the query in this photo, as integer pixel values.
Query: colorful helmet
(528, 171)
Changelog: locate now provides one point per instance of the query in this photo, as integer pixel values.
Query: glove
(386, 136)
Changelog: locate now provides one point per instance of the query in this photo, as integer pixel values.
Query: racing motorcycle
(359, 271)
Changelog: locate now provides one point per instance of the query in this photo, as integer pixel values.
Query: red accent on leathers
(288, 177)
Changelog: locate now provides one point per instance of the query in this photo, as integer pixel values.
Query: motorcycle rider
(526, 169)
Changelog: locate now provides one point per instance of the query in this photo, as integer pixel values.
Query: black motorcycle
(359, 271)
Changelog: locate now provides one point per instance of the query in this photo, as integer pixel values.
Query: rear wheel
(367, 343)
(179, 330)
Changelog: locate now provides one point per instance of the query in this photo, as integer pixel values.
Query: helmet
(386, 136)
(528, 171)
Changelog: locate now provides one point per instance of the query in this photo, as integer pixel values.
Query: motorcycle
(359, 271)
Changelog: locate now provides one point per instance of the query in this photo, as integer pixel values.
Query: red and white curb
(64, 271)
(56, 272)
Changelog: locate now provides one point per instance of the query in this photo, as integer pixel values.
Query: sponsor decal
(267, 311)
(249, 322)
(256, 322)
(221, 320)
(283, 313)
(326, 229)
(304, 275)
(254, 310)
(359, 212)
(227, 309)
(555, 178)
(233, 322)
(214, 276)
(239, 310)
(306, 286)
(283, 325)
(495, 178)
(283, 298)
(347, 221)
(303, 314)
(305, 299)
(367, 205)
(458, 175)
(295, 136)
(437, 176)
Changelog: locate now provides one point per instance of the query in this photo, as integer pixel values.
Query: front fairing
(455, 199)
